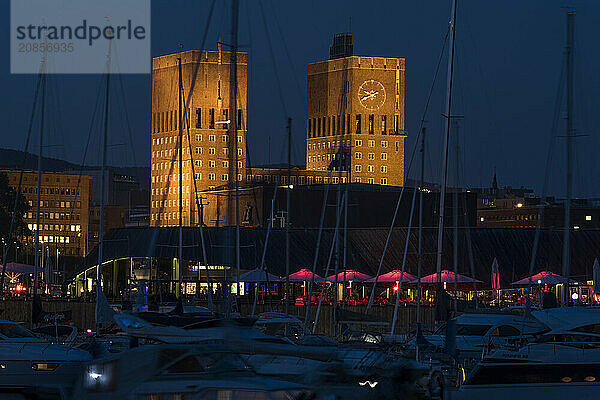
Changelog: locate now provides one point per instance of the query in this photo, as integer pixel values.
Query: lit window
(370, 168)
(357, 168)
(371, 143)
(358, 155)
(211, 138)
(211, 150)
(384, 156)
(588, 217)
(371, 156)
(384, 181)
(384, 169)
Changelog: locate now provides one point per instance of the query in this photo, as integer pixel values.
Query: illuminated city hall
(354, 131)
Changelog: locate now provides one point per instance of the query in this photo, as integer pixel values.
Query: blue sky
(508, 64)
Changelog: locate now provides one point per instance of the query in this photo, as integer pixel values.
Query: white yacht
(564, 361)
(475, 330)
(546, 370)
(181, 371)
(28, 362)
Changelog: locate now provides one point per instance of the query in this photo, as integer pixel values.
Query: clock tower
(356, 113)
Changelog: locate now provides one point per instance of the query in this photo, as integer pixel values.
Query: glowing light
(576, 227)
(371, 384)
(539, 281)
(519, 205)
(481, 219)
(588, 217)
(575, 296)
(94, 375)
(590, 379)
(88, 330)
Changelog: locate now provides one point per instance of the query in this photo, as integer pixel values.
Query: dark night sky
(508, 65)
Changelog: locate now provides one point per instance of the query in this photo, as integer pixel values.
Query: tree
(7, 204)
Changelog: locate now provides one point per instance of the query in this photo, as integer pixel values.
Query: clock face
(371, 94)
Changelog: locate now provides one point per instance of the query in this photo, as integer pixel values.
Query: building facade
(355, 116)
(208, 150)
(355, 131)
(64, 208)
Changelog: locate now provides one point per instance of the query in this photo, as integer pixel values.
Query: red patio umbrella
(350, 275)
(447, 277)
(395, 276)
(305, 275)
(543, 278)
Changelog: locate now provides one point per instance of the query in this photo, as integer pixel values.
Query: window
(371, 156)
(225, 151)
(198, 150)
(588, 217)
(211, 118)
(396, 123)
(357, 168)
(198, 176)
(383, 181)
(370, 168)
(239, 119)
(198, 163)
(358, 155)
(384, 169)
(384, 143)
(211, 138)
(371, 143)
(225, 119)
(383, 124)
(211, 177)
(211, 163)
(358, 123)
(358, 143)
(240, 164)
(211, 150)
(198, 118)
(224, 177)
(371, 123)
(240, 139)
(225, 164)
(371, 181)
(357, 180)
(319, 126)
(240, 152)
(225, 138)
(384, 156)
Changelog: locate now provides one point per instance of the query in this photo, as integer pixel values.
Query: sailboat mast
(287, 220)
(39, 186)
(180, 116)
(447, 115)
(233, 123)
(420, 253)
(102, 187)
(569, 184)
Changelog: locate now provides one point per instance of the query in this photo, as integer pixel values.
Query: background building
(64, 210)
(208, 151)
(356, 115)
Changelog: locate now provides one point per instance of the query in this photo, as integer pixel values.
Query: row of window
(339, 125)
(56, 227)
(371, 168)
(166, 121)
(173, 139)
(168, 154)
(53, 215)
(56, 191)
(357, 155)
